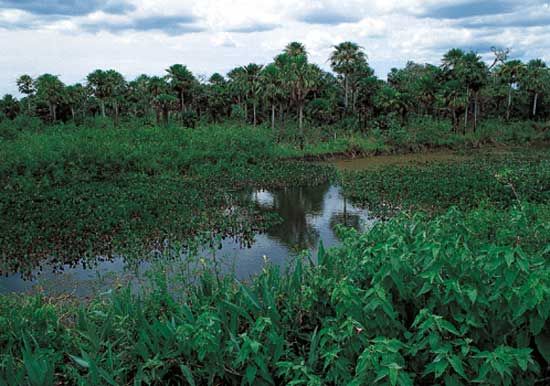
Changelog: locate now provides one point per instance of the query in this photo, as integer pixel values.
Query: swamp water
(309, 215)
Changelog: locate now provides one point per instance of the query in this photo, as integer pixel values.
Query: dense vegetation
(458, 298)
(291, 95)
(75, 192)
(452, 287)
(500, 178)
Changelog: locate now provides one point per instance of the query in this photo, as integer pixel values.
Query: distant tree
(535, 78)
(512, 71)
(165, 103)
(238, 86)
(162, 101)
(139, 96)
(9, 106)
(301, 78)
(98, 85)
(181, 81)
(115, 91)
(75, 96)
(452, 59)
(217, 79)
(474, 73)
(295, 49)
(253, 72)
(107, 86)
(52, 91)
(25, 84)
(271, 84)
(217, 96)
(346, 58)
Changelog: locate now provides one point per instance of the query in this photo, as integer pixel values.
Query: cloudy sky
(71, 38)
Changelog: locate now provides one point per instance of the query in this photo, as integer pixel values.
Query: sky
(71, 38)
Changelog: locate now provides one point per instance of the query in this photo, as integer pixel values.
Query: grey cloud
(539, 20)
(67, 7)
(469, 8)
(171, 25)
(256, 27)
(480, 46)
(328, 16)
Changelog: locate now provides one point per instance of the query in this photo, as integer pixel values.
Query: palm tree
(253, 72)
(51, 90)
(217, 96)
(25, 84)
(474, 73)
(271, 87)
(217, 79)
(345, 59)
(295, 49)
(138, 95)
(300, 78)
(452, 59)
(75, 97)
(181, 80)
(9, 107)
(164, 103)
(107, 86)
(158, 89)
(238, 86)
(535, 78)
(512, 71)
(116, 88)
(97, 83)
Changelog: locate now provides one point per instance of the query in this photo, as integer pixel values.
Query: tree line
(291, 89)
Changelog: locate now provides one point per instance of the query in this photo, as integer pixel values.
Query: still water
(309, 216)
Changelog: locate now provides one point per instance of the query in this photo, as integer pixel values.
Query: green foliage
(72, 192)
(498, 179)
(459, 298)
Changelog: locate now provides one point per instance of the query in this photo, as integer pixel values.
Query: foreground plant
(459, 298)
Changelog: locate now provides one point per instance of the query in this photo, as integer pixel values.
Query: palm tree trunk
(54, 108)
(254, 113)
(509, 103)
(182, 106)
(116, 113)
(282, 118)
(467, 108)
(301, 124)
(346, 91)
(165, 116)
(102, 103)
(535, 104)
(455, 121)
(72, 113)
(475, 111)
(273, 118)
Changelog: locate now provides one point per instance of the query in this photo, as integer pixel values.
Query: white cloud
(216, 35)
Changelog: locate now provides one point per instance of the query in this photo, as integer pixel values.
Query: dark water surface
(309, 215)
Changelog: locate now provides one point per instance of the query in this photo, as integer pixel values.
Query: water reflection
(309, 215)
